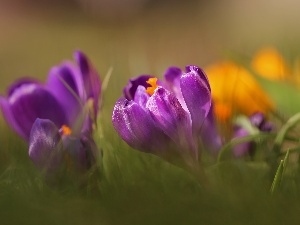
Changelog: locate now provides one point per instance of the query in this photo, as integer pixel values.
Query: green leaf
(293, 121)
(279, 173)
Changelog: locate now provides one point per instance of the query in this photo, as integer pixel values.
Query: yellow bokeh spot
(234, 90)
(65, 130)
(268, 63)
(152, 81)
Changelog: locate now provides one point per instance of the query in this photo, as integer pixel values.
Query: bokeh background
(139, 36)
(134, 37)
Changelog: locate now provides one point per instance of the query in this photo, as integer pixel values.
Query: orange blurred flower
(234, 90)
(269, 63)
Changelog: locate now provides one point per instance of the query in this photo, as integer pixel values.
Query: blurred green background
(138, 36)
(134, 37)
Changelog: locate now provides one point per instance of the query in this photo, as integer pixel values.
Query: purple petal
(90, 78)
(172, 76)
(64, 84)
(241, 149)
(136, 127)
(267, 127)
(210, 138)
(172, 73)
(197, 97)
(45, 148)
(9, 117)
(31, 101)
(170, 117)
(131, 87)
(141, 96)
(257, 119)
(198, 71)
(21, 82)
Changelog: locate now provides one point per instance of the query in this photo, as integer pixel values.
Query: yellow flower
(269, 63)
(234, 90)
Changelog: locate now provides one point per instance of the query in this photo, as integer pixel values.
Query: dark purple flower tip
(136, 127)
(90, 77)
(172, 73)
(197, 97)
(197, 70)
(45, 147)
(27, 102)
(131, 87)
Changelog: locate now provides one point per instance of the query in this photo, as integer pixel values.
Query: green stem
(279, 173)
(227, 147)
(283, 131)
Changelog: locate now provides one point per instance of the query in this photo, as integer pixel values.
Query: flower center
(152, 81)
(65, 130)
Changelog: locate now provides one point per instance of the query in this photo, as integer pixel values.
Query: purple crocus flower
(62, 99)
(51, 148)
(258, 121)
(36, 111)
(155, 116)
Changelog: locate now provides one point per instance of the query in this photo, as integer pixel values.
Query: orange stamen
(65, 130)
(152, 81)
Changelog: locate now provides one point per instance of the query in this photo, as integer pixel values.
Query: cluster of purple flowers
(172, 115)
(55, 117)
(166, 117)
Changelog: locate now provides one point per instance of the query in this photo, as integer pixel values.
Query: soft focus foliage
(125, 186)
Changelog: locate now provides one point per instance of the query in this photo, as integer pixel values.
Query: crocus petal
(9, 117)
(64, 84)
(198, 71)
(90, 78)
(136, 126)
(45, 149)
(141, 97)
(241, 149)
(172, 76)
(31, 101)
(257, 119)
(131, 87)
(172, 73)
(170, 117)
(210, 138)
(197, 97)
